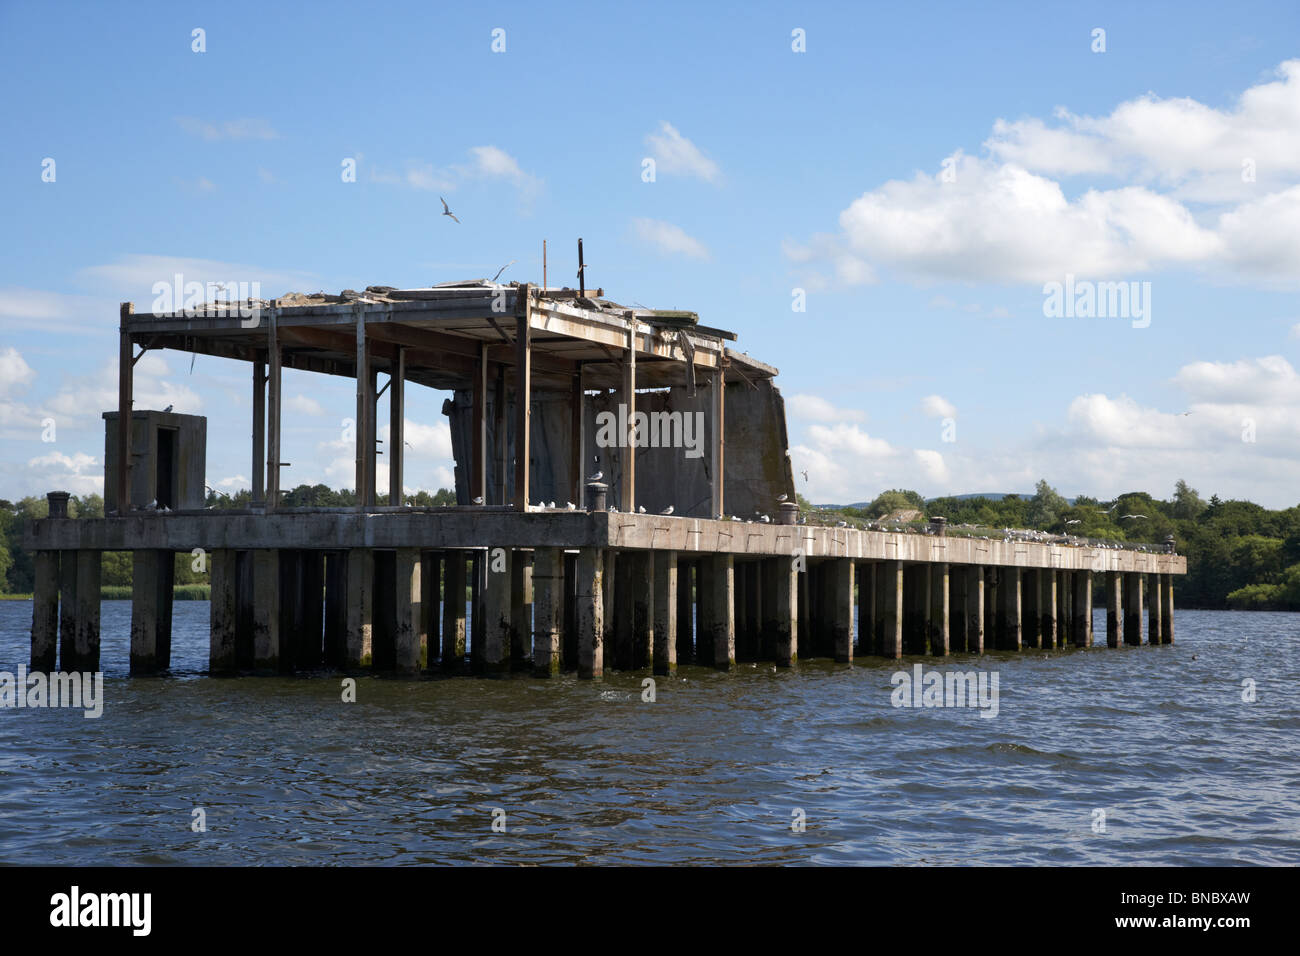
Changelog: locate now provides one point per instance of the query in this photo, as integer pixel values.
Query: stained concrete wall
(757, 466)
(190, 463)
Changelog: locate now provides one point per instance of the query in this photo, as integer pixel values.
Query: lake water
(714, 771)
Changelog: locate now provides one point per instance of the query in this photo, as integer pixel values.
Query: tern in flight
(446, 211)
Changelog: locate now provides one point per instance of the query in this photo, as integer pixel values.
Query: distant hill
(990, 495)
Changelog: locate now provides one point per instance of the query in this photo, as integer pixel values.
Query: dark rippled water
(711, 772)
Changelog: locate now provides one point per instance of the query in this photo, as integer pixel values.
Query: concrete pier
(720, 611)
(548, 591)
(1132, 609)
(453, 611)
(152, 577)
(45, 612)
(1114, 609)
(1082, 607)
(1155, 610)
(665, 612)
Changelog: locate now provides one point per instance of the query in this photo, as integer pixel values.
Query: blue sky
(924, 358)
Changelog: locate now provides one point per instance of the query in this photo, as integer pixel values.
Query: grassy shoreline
(110, 592)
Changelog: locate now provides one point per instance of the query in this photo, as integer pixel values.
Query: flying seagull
(805, 476)
(1132, 516)
(503, 268)
(446, 211)
(1074, 521)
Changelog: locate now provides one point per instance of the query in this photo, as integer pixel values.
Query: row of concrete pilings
(550, 610)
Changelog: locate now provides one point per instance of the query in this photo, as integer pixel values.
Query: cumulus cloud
(669, 239)
(817, 409)
(303, 405)
(15, 373)
(936, 406)
(675, 154)
(486, 164)
(1004, 218)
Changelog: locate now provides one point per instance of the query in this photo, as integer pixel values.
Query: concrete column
(569, 615)
(408, 596)
(1155, 609)
(478, 572)
(266, 609)
(86, 615)
(453, 611)
(780, 586)
(152, 573)
(916, 622)
(1132, 608)
(67, 610)
(958, 580)
(1167, 619)
(548, 587)
(665, 612)
(1114, 609)
(866, 579)
(591, 613)
(222, 580)
(1030, 616)
(336, 608)
(643, 609)
(891, 602)
(993, 636)
(939, 610)
(359, 647)
(721, 617)
(1047, 608)
(740, 596)
(430, 607)
(1082, 626)
(610, 594)
(840, 573)
(685, 612)
(1064, 623)
(703, 636)
(521, 610)
(975, 624)
(1009, 624)
(309, 645)
(45, 612)
(497, 607)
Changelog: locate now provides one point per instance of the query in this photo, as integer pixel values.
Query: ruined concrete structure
(548, 384)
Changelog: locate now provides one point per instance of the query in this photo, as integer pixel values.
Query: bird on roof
(446, 211)
(1074, 521)
(570, 506)
(597, 476)
(667, 511)
(841, 524)
(169, 408)
(477, 499)
(641, 509)
(503, 268)
(780, 497)
(764, 519)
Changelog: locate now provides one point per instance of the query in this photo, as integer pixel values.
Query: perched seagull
(570, 506)
(841, 524)
(152, 506)
(737, 518)
(765, 519)
(503, 268)
(446, 211)
(641, 509)
(667, 511)
(597, 476)
(477, 499)
(613, 510)
(780, 497)
(169, 408)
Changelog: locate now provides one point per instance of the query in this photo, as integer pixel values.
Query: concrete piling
(720, 610)
(85, 644)
(1114, 609)
(665, 612)
(685, 611)
(1167, 618)
(1081, 629)
(1048, 636)
(1009, 618)
(892, 606)
(591, 613)
(408, 594)
(358, 648)
(1155, 610)
(938, 623)
(975, 622)
(453, 611)
(266, 611)
(841, 578)
(780, 606)
(45, 612)
(498, 605)
(1132, 609)
(152, 576)
(222, 609)
(548, 584)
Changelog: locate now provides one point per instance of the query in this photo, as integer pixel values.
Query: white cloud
(15, 373)
(487, 163)
(936, 406)
(669, 239)
(228, 129)
(674, 153)
(817, 409)
(33, 310)
(303, 405)
(78, 473)
(1270, 379)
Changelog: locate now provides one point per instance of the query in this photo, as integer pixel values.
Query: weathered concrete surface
(1167, 620)
(548, 589)
(1009, 613)
(591, 613)
(975, 621)
(497, 606)
(189, 466)
(359, 639)
(1082, 626)
(406, 633)
(938, 623)
(1155, 610)
(1133, 609)
(45, 612)
(665, 612)
(1047, 603)
(85, 643)
(453, 611)
(891, 604)
(152, 575)
(266, 611)
(481, 527)
(719, 616)
(841, 577)
(223, 623)
(780, 602)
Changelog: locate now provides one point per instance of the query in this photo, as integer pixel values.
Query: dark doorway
(165, 484)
